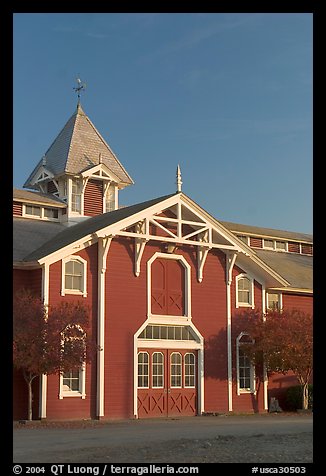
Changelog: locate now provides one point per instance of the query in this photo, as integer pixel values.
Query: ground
(271, 438)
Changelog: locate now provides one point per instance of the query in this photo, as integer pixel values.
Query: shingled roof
(73, 233)
(78, 147)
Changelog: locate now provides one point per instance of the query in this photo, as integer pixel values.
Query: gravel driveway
(271, 438)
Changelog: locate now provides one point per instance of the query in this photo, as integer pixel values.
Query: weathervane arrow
(81, 87)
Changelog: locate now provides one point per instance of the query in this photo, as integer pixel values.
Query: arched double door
(167, 382)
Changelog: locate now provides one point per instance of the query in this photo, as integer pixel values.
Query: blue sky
(227, 96)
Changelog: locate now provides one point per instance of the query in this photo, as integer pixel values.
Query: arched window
(72, 382)
(244, 291)
(176, 370)
(74, 276)
(245, 368)
(189, 370)
(143, 370)
(157, 370)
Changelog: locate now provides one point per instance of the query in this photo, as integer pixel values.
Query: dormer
(81, 169)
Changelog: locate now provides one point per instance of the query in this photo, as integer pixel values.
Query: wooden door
(167, 383)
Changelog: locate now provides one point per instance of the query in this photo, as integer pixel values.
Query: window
(143, 370)
(245, 291)
(33, 210)
(74, 276)
(243, 238)
(189, 370)
(166, 332)
(269, 244)
(176, 370)
(280, 245)
(50, 213)
(275, 245)
(245, 369)
(75, 197)
(110, 199)
(274, 301)
(72, 383)
(158, 370)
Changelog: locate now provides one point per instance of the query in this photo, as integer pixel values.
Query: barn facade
(164, 281)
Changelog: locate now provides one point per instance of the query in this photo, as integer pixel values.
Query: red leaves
(50, 342)
(284, 340)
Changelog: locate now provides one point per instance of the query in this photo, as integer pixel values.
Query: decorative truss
(178, 225)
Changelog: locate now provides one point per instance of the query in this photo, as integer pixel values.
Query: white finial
(43, 160)
(179, 181)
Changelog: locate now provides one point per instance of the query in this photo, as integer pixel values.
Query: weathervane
(81, 87)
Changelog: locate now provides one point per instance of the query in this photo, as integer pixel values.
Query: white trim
(170, 371)
(280, 299)
(230, 261)
(251, 291)
(103, 249)
(65, 291)
(184, 370)
(241, 391)
(152, 373)
(74, 393)
(148, 364)
(187, 290)
(169, 344)
(43, 377)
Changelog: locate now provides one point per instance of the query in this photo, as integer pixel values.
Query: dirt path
(248, 439)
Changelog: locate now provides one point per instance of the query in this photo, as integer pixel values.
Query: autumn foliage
(49, 340)
(283, 341)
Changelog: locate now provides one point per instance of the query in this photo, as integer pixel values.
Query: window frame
(81, 393)
(173, 374)
(251, 291)
(280, 301)
(187, 289)
(185, 374)
(252, 389)
(274, 247)
(162, 365)
(148, 369)
(77, 292)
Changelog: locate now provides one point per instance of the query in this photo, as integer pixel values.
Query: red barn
(164, 280)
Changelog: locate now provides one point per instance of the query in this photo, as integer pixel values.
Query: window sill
(74, 292)
(72, 394)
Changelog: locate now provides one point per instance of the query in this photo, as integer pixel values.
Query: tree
(284, 342)
(49, 340)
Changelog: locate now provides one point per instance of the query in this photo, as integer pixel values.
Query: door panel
(170, 384)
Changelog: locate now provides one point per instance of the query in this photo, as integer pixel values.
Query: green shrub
(293, 397)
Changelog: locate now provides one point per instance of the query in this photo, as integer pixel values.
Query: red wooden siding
(168, 282)
(294, 247)
(93, 198)
(17, 208)
(256, 242)
(28, 279)
(75, 407)
(296, 301)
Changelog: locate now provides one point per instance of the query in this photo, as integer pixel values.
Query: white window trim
(252, 294)
(187, 290)
(149, 373)
(81, 393)
(170, 363)
(184, 370)
(280, 300)
(241, 391)
(41, 216)
(65, 291)
(163, 364)
(274, 245)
